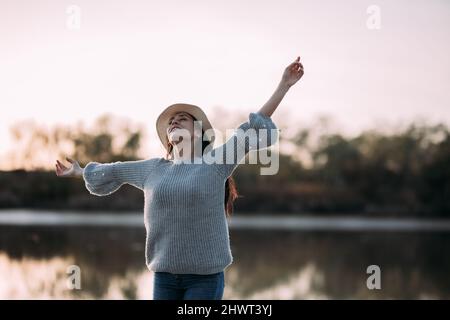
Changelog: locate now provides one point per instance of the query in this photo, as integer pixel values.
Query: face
(180, 124)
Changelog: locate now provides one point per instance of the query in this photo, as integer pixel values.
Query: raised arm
(259, 131)
(291, 75)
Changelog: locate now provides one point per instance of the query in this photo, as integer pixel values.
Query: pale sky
(134, 58)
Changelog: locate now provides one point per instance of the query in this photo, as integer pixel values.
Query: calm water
(309, 262)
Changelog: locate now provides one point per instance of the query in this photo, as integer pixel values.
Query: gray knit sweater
(184, 212)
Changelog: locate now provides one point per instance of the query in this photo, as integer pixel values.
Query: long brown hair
(231, 193)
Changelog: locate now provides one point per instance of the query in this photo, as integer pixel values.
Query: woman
(186, 197)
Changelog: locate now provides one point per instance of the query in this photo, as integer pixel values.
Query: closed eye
(180, 120)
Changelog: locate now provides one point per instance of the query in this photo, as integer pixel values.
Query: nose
(174, 122)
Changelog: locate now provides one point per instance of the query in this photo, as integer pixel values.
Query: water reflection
(267, 264)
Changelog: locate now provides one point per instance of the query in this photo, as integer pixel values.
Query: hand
(292, 73)
(73, 171)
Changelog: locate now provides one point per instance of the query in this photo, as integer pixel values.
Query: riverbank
(23, 217)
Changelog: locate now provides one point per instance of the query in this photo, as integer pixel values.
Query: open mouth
(174, 129)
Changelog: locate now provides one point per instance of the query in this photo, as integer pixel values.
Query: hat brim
(162, 122)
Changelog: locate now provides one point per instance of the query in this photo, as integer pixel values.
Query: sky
(60, 64)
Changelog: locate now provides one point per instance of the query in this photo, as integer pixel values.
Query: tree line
(372, 173)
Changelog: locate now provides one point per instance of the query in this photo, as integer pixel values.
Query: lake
(275, 257)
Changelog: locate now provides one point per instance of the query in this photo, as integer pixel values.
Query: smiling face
(180, 120)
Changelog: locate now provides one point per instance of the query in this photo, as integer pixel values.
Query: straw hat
(162, 121)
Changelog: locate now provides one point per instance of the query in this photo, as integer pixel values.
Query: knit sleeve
(257, 133)
(103, 179)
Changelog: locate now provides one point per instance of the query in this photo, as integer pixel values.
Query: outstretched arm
(102, 179)
(291, 75)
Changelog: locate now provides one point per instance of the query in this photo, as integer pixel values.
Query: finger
(293, 63)
(294, 67)
(61, 165)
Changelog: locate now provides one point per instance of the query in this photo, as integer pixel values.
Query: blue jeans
(169, 286)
